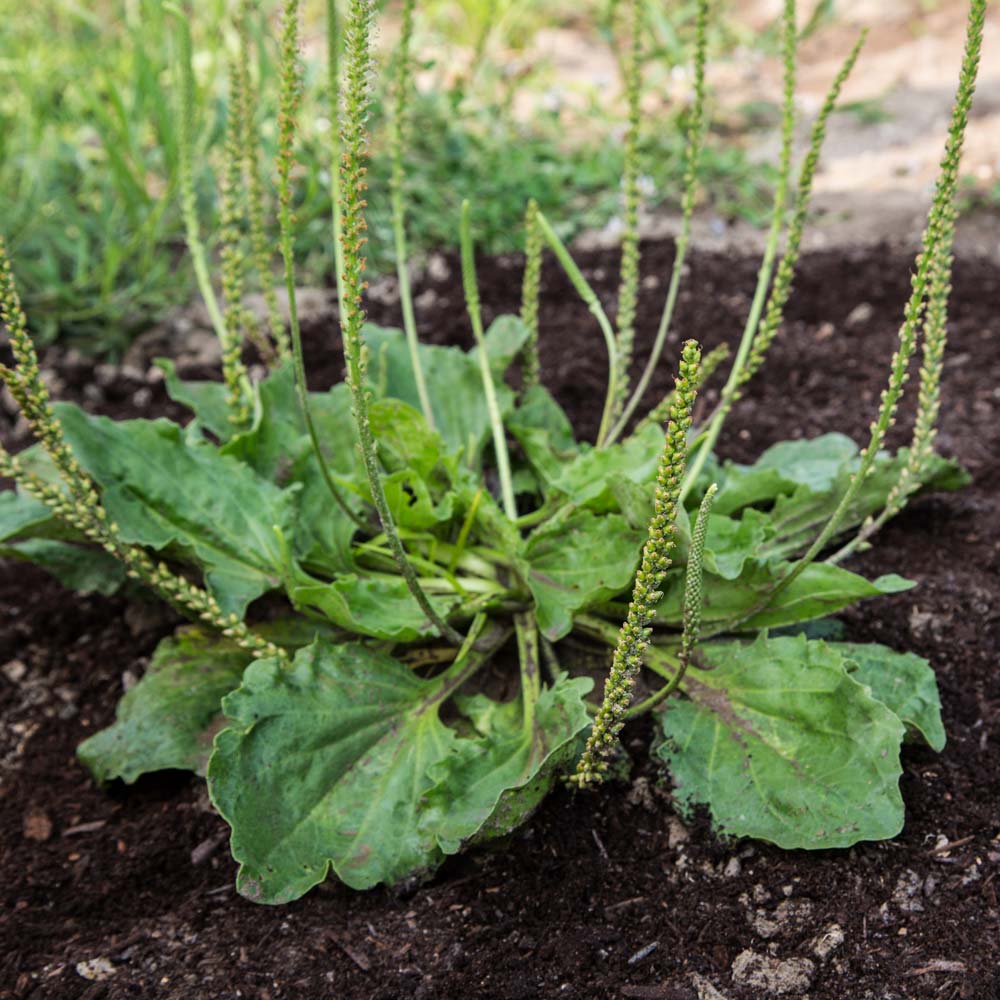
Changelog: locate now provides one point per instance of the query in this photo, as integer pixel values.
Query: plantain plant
(422, 520)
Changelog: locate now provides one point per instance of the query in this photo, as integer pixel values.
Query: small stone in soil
(776, 977)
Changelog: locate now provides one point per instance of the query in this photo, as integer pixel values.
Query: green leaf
(821, 589)
(206, 400)
(325, 764)
(580, 561)
(904, 682)
(783, 745)
(730, 544)
(454, 381)
(168, 720)
(165, 490)
(378, 606)
(815, 464)
(404, 439)
(82, 568)
(277, 437)
(22, 515)
(411, 503)
(489, 785)
(538, 410)
(588, 477)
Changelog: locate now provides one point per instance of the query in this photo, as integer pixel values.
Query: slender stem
(692, 159)
(353, 169)
(397, 185)
(189, 200)
(530, 284)
(475, 317)
(333, 86)
(592, 302)
(527, 654)
(628, 284)
(291, 93)
(730, 390)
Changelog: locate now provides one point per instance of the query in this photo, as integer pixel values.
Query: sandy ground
(877, 175)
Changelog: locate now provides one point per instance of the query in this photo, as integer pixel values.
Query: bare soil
(600, 895)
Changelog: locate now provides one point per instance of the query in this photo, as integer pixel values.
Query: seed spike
(633, 639)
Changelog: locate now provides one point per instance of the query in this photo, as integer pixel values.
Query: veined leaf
(206, 400)
(578, 562)
(325, 765)
(783, 745)
(821, 589)
(168, 720)
(587, 478)
(731, 543)
(904, 682)
(453, 377)
(815, 464)
(378, 606)
(489, 785)
(404, 439)
(164, 490)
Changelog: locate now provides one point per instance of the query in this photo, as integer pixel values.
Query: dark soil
(600, 895)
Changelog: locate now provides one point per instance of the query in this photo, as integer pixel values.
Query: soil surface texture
(128, 891)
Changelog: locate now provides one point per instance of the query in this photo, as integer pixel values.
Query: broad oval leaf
(168, 720)
(377, 606)
(489, 785)
(782, 744)
(325, 764)
(163, 489)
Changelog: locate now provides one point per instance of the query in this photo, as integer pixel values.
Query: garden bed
(600, 895)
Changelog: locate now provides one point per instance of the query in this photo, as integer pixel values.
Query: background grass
(88, 148)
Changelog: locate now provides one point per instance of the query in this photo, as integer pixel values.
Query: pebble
(15, 671)
(827, 942)
(773, 976)
(96, 969)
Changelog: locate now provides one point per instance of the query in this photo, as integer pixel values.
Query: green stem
(189, 201)
(527, 655)
(731, 388)
(496, 420)
(397, 182)
(692, 154)
(333, 83)
(592, 302)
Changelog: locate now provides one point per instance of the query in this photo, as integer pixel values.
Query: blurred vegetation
(88, 148)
